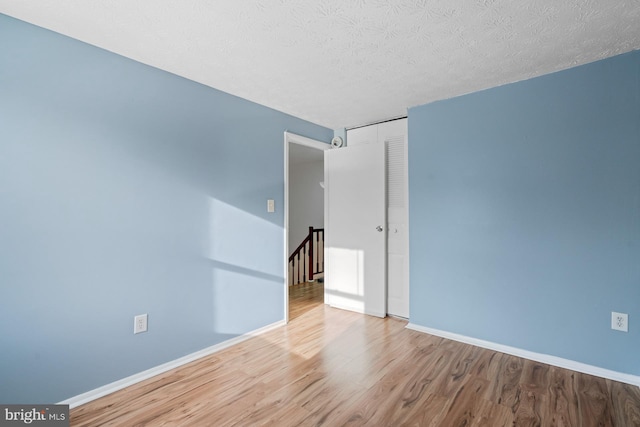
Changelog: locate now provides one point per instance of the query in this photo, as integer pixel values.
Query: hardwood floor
(304, 297)
(331, 367)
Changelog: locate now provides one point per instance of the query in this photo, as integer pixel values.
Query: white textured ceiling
(343, 63)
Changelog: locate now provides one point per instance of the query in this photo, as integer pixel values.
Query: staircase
(306, 263)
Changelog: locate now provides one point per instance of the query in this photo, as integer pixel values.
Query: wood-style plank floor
(304, 297)
(333, 368)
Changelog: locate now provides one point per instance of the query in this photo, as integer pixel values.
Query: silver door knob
(379, 228)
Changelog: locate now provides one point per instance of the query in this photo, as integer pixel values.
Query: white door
(394, 136)
(355, 242)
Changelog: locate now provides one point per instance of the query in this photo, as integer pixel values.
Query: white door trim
(307, 142)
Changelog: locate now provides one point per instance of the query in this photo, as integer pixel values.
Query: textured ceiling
(344, 63)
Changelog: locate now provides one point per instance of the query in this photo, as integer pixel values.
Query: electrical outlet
(620, 321)
(140, 323)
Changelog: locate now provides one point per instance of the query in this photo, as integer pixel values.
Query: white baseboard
(538, 357)
(83, 398)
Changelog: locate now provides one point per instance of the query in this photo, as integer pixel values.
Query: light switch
(271, 206)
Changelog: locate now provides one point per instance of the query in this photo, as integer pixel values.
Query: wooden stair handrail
(299, 248)
(302, 247)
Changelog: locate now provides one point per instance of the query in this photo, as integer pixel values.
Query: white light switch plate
(271, 205)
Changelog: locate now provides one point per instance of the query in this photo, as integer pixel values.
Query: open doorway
(304, 224)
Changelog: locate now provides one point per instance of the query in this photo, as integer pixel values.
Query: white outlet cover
(619, 321)
(140, 323)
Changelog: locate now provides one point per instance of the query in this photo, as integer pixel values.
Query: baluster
(316, 239)
(323, 251)
(310, 261)
(304, 263)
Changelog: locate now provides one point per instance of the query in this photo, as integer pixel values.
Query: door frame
(293, 138)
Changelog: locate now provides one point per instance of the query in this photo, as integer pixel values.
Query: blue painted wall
(525, 213)
(127, 190)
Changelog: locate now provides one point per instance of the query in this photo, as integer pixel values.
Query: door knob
(379, 228)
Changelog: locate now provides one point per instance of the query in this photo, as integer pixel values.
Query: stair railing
(308, 259)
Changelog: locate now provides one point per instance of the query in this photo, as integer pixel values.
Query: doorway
(304, 222)
(356, 243)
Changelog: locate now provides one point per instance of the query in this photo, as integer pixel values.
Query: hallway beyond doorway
(303, 297)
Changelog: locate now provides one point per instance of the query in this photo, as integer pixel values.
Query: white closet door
(394, 136)
(363, 135)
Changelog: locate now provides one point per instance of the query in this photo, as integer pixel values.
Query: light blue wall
(127, 190)
(525, 213)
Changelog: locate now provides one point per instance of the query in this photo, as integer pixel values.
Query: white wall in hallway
(306, 200)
